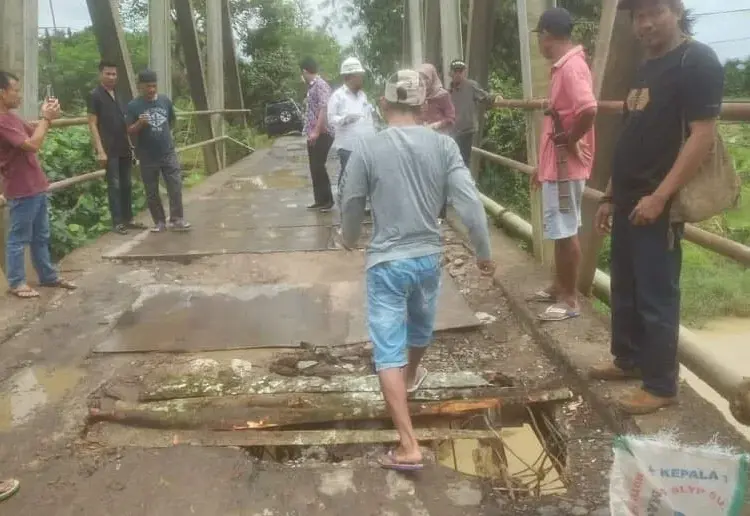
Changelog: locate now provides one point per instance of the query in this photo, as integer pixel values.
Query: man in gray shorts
(409, 172)
(565, 158)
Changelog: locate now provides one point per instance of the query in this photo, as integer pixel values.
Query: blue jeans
(401, 307)
(29, 225)
(646, 264)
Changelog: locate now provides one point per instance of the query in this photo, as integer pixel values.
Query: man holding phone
(25, 188)
(109, 135)
(150, 119)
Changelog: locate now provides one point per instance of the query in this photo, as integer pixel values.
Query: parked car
(283, 117)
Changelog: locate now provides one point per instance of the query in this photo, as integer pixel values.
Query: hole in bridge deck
(522, 456)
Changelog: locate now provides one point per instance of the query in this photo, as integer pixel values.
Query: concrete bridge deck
(259, 286)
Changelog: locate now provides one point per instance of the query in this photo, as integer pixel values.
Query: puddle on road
(31, 389)
(520, 457)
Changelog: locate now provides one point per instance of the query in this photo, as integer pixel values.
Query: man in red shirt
(565, 157)
(25, 188)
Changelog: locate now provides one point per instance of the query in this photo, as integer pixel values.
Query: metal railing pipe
(728, 383)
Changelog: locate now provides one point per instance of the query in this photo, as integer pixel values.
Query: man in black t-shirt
(109, 135)
(677, 91)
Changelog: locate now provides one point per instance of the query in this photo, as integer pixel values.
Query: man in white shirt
(350, 112)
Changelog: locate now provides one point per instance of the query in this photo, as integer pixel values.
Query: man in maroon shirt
(25, 188)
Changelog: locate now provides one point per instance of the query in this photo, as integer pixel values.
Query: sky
(724, 30)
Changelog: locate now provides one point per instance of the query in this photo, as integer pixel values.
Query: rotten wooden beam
(240, 413)
(226, 382)
(147, 438)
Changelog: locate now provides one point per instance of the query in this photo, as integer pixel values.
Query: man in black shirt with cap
(677, 91)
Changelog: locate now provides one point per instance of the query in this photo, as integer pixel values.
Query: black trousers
(465, 142)
(317, 154)
(646, 266)
(120, 189)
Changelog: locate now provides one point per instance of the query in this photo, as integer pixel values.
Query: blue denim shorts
(559, 225)
(401, 307)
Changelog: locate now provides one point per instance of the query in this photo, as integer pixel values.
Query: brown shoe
(612, 373)
(640, 402)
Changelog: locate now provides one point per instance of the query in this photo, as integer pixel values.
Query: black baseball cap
(556, 21)
(458, 64)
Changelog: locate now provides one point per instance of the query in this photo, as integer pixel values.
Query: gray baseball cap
(405, 87)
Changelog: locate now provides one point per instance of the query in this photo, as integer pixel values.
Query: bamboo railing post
(535, 74)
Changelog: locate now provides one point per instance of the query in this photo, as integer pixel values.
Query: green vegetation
(273, 36)
(712, 286)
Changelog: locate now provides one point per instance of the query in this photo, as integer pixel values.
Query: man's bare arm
(34, 143)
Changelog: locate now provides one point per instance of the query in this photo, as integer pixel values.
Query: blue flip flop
(389, 461)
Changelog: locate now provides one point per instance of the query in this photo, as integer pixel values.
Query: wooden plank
(228, 384)
(432, 44)
(196, 79)
(110, 38)
(414, 21)
(215, 68)
(160, 47)
(235, 99)
(616, 58)
(478, 46)
(535, 74)
(239, 413)
(114, 435)
(450, 35)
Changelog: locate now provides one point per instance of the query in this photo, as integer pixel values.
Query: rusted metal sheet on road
(174, 318)
(211, 242)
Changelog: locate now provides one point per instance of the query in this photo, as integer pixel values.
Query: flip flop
(558, 312)
(8, 488)
(421, 375)
(24, 292)
(541, 297)
(389, 461)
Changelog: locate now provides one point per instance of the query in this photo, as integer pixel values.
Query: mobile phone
(50, 94)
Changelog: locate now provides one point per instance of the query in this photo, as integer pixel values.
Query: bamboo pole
(69, 122)
(691, 351)
(723, 246)
(730, 111)
(97, 174)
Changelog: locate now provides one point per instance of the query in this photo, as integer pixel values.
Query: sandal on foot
(558, 312)
(24, 292)
(60, 283)
(8, 488)
(390, 461)
(421, 375)
(541, 297)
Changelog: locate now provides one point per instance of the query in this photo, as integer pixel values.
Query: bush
(78, 214)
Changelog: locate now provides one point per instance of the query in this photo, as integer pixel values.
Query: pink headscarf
(433, 84)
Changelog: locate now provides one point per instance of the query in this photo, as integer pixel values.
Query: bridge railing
(692, 353)
(98, 174)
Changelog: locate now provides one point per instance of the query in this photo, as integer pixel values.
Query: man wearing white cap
(350, 112)
(409, 172)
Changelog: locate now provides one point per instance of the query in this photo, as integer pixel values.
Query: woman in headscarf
(438, 111)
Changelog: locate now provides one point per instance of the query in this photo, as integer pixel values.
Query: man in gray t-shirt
(150, 119)
(409, 172)
(465, 94)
